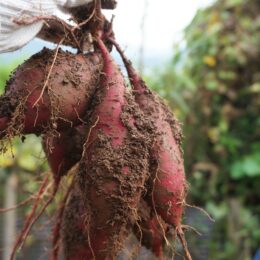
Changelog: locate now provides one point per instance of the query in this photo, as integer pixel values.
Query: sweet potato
(50, 91)
(75, 238)
(153, 238)
(168, 185)
(65, 150)
(73, 233)
(150, 230)
(114, 166)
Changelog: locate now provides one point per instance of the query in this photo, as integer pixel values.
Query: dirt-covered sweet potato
(49, 91)
(168, 183)
(115, 163)
(64, 150)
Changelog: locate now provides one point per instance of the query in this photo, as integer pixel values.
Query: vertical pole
(9, 217)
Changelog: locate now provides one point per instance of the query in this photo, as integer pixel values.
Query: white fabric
(14, 36)
(72, 3)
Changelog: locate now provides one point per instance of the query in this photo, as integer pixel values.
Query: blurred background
(203, 57)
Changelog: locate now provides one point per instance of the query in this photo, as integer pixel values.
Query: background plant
(213, 84)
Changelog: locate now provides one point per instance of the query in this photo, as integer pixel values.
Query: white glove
(14, 36)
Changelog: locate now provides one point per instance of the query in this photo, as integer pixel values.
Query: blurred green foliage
(5, 70)
(6, 67)
(213, 85)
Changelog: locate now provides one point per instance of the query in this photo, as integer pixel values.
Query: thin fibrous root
(30, 216)
(181, 236)
(49, 201)
(200, 209)
(23, 203)
(49, 73)
(187, 227)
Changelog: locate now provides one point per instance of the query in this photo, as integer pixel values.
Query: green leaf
(249, 166)
(233, 3)
(237, 171)
(218, 211)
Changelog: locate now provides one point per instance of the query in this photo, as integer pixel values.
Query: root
(200, 209)
(187, 227)
(89, 132)
(141, 234)
(15, 124)
(87, 228)
(57, 227)
(49, 73)
(126, 61)
(181, 236)
(49, 201)
(30, 217)
(23, 203)
(79, 118)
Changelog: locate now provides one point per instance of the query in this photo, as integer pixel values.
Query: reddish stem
(55, 189)
(29, 218)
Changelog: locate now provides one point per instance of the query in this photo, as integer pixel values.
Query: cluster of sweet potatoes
(125, 143)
